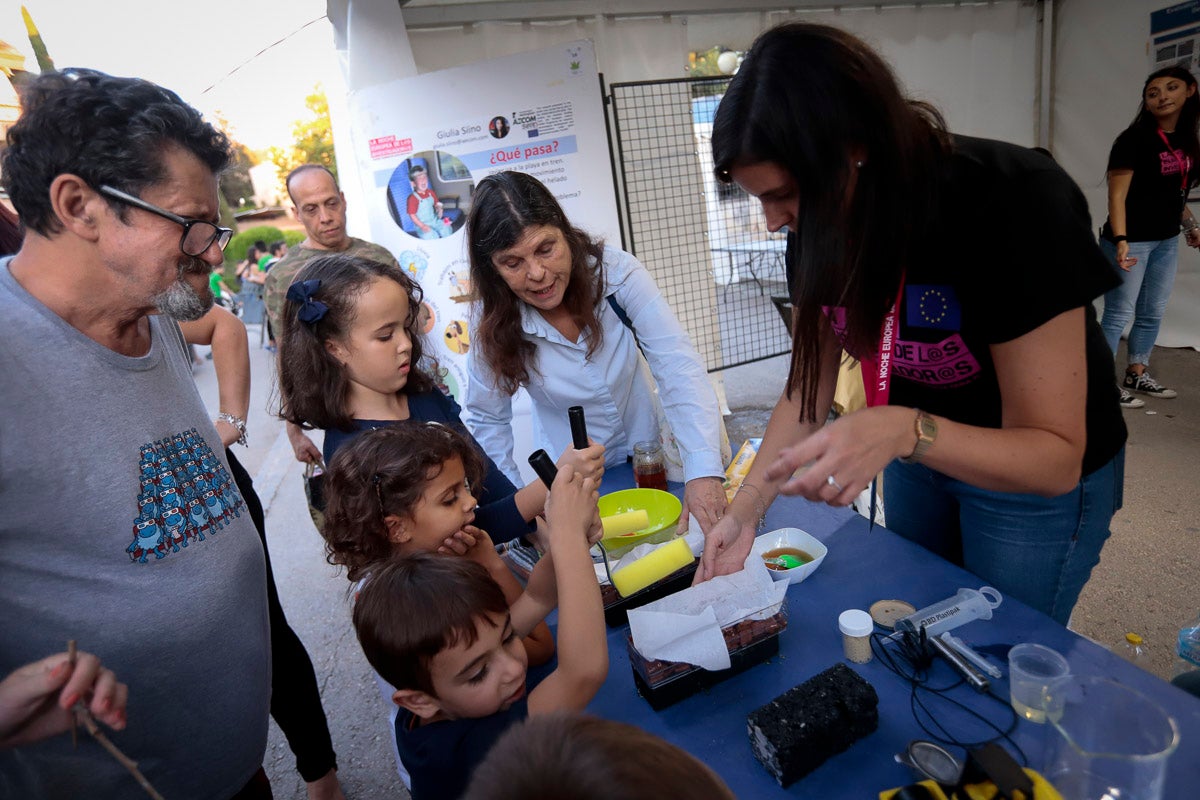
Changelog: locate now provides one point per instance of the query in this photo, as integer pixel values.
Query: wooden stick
(89, 722)
(74, 726)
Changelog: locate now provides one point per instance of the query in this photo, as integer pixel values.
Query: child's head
(399, 489)
(348, 323)
(419, 178)
(576, 757)
(438, 630)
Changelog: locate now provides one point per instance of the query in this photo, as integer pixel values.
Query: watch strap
(926, 430)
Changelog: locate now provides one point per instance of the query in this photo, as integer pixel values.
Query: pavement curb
(274, 468)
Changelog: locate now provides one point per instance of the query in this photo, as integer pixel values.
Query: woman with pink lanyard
(992, 408)
(1151, 167)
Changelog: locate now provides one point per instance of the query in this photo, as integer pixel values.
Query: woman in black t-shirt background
(1152, 166)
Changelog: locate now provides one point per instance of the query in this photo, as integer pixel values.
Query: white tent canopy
(981, 63)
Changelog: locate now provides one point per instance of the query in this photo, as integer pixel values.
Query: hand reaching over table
(704, 499)
(726, 546)
(837, 462)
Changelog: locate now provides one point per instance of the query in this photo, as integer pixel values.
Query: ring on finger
(830, 480)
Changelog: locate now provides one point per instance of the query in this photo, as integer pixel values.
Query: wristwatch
(926, 429)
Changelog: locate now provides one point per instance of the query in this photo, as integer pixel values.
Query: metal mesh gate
(705, 244)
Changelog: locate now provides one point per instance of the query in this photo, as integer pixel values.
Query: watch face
(927, 429)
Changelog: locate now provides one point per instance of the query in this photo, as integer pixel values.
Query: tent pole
(1046, 77)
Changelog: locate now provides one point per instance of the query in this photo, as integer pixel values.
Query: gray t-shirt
(121, 528)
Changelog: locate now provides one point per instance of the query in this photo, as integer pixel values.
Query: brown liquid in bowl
(786, 551)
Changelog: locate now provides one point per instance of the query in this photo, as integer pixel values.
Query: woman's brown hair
(815, 100)
(504, 207)
(381, 473)
(313, 387)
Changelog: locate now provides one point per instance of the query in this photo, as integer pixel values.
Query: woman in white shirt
(550, 320)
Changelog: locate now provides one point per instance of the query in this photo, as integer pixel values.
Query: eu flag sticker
(931, 306)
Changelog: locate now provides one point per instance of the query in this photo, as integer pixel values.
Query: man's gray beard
(183, 303)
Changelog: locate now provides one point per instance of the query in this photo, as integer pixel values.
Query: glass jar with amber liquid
(649, 469)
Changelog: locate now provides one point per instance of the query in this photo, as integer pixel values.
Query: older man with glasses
(121, 526)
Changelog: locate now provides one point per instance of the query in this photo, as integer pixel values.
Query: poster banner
(422, 144)
(1174, 34)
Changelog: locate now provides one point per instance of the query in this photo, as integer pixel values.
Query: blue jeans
(1142, 295)
(1039, 550)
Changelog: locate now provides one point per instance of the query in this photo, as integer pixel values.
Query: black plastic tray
(688, 683)
(615, 615)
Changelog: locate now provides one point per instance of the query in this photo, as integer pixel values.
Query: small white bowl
(791, 537)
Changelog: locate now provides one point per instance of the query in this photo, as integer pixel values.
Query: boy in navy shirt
(439, 630)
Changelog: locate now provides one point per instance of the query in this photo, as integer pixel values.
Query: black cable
(919, 661)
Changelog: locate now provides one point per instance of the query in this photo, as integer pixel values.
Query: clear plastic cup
(1112, 741)
(1033, 671)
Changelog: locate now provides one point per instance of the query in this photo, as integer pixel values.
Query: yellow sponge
(652, 567)
(627, 522)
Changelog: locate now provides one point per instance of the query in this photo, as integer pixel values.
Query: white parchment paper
(686, 626)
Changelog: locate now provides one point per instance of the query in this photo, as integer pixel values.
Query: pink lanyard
(1182, 162)
(877, 374)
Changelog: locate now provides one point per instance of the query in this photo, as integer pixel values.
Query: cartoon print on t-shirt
(185, 493)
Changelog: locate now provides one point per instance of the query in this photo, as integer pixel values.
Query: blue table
(864, 566)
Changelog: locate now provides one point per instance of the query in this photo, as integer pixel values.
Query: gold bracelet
(758, 504)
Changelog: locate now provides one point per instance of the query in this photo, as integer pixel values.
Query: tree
(312, 139)
(236, 185)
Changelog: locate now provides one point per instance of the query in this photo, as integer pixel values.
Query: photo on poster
(499, 127)
(429, 194)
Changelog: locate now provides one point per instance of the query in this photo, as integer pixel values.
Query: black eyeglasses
(198, 234)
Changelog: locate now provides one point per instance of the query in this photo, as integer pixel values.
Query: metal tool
(965, 668)
(931, 761)
(966, 651)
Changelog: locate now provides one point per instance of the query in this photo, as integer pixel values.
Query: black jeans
(295, 698)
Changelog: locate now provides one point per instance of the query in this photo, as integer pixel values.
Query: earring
(860, 164)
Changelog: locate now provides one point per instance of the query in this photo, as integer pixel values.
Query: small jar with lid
(649, 468)
(856, 626)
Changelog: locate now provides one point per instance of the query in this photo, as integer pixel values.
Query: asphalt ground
(1145, 583)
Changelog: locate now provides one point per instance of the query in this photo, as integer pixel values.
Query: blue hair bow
(311, 311)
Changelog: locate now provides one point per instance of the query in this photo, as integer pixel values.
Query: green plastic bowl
(663, 508)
